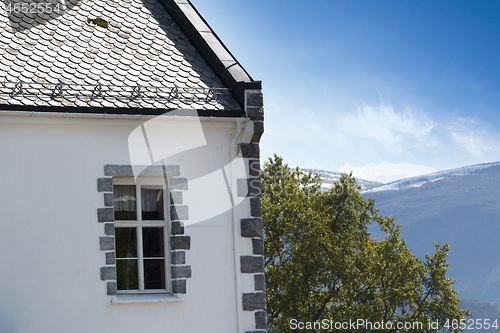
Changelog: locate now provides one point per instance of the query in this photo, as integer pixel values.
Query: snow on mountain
(418, 181)
(460, 207)
(330, 176)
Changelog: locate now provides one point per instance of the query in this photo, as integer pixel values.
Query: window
(141, 237)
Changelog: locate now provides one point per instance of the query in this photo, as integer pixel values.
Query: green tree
(322, 265)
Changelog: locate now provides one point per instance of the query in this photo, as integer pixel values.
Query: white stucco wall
(49, 234)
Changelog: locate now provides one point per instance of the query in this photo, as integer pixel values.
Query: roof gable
(142, 60)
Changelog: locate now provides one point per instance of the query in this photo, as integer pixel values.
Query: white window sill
(156, 298)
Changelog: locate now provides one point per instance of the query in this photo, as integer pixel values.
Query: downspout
(236, 232)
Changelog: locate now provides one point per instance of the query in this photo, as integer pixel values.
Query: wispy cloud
(471, 143)
(383, 123)
(386, 126)
(370, 127)
(473, 137)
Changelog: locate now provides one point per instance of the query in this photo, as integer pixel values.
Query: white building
(129, 155)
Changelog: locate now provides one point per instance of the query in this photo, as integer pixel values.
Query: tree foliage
(322, 265)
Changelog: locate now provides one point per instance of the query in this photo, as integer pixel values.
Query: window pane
(127, 274)
(154, 274)
(152, 240)
(126, 242)
(152, 203)
(124, 202)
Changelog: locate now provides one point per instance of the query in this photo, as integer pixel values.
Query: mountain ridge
(460, 207)
(332, 176)
(401, 183)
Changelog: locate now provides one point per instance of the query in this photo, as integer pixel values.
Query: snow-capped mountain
(418, 181)
(329, 177)
(460, 207)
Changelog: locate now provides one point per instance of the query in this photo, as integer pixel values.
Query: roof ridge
(211, 48)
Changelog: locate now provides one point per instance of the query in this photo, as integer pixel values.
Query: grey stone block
(181, 272)
(108, 199)
(254, 187)
(255, 113)
(254, 301)
(254, 99)
(179, 212)
(252, 264)
(252, 227)
(110, 258)
(256, 207)
(177, 228)
(261, 320)
(180, 242)
(258, 246)
(105, 215)
(141, 170)
(254, 168)
(178, 184)
(249, 187)
(248, 150)
(259, 282)
(118, 170)
(109, 229)
(176, 198)
(179, 286)
(108, 273)
(105, 184)
(106, 243)
(178, 257)
(258, 130)
(111, 287)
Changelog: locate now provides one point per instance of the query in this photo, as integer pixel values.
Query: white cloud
(387, 127)
(472, 136)
(471, 143)
(386, 172)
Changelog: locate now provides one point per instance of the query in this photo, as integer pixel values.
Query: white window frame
(139, 224)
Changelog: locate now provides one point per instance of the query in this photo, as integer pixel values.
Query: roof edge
(211, 48)
(117, 111)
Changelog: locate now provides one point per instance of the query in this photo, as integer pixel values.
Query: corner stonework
(178, 213)
(252, 226)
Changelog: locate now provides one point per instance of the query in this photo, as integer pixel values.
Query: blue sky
(388, 89)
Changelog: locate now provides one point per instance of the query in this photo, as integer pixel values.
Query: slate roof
(142, 60)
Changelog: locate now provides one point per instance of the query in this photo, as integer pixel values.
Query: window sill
(156, 298)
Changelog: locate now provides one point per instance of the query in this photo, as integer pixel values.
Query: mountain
(482, 310)
(418, 181)
(459, 206)
(329, 177)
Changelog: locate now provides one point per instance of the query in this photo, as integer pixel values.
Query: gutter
(115, 111)
(37, 114)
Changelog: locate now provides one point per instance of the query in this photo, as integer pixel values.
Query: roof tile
(44, 69)
(10, 56)
(57, 70)
(30, 68)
